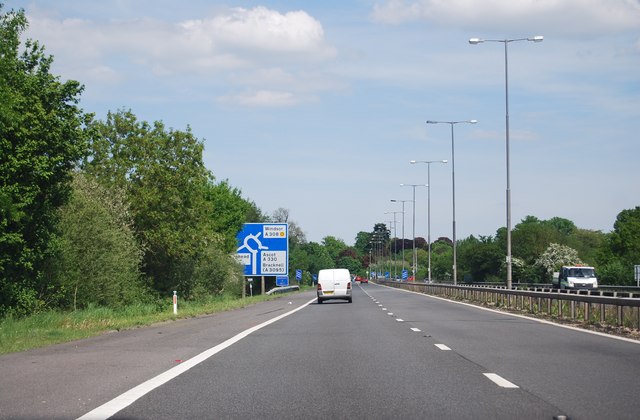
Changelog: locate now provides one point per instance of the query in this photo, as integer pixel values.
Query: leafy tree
(587, 243)
(41, 139)
(227, 211)
(621, 249)
(254, 214)
(98, 259)
(479, 257)
(442, 261)
(564, 226)
(296, 234)
(624, 241)
(175, 207)
(352, 264)
(363, 243)
(334, 247)
(319, 257)
(531, 237)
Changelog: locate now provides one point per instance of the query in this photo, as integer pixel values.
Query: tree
(564, 226)
(227, 211)
(98, 259)
(620, 250)
(180, 216)
(531, 237)
(625, 238)
(296, 234)
(334, 247)
(319, 257)
(41, 139)
(479, 257)
(363, 243)
(442, 261)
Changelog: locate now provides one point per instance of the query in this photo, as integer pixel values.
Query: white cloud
(233, 39)
(261, 50)
(552, 16)
(262, 98)
(263, 29)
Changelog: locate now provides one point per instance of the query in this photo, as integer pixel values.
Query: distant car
(362, 279)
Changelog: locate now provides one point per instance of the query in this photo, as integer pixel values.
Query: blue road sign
(405, 274)
(282, 281)
(298, 274)
(263, 249)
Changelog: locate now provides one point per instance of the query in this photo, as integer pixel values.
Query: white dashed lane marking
(442, 347)
(500, 381)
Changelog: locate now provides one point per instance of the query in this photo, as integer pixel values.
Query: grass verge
(54, 327)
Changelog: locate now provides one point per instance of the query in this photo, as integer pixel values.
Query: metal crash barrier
(587, 309)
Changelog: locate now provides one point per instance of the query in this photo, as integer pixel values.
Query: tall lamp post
(402, 201)
(395, 242)
(453, 184)
(428, 162)
(413, 242)
(391, 223)
(506, 42)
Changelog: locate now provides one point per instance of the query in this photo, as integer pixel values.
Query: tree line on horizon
(539, 247)
(121, 211)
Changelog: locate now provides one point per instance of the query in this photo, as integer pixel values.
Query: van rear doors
(334, 283)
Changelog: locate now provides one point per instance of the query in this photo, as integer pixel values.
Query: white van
(575, 277)
(334, 283)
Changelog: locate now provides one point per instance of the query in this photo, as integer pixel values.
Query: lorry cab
(334, 283)
(576, 277)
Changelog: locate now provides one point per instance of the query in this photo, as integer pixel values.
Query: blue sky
(318, 107)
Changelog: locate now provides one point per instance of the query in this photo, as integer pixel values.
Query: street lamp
(453, 184)
(475, 41)
(415, 256)
(395, 241)
(402, 201)
(391, 223)
(428, 162)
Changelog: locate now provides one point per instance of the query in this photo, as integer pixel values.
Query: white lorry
(575, 277)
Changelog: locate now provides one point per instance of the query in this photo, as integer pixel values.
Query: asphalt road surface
(389, 354)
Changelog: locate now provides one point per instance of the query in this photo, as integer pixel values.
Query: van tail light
(348, 285)
(319, 287)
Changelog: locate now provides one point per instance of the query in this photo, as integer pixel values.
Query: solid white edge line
(541, 321)
(124, 400)
(442, 347)
(500, 381)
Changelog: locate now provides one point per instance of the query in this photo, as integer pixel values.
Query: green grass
(54, 327)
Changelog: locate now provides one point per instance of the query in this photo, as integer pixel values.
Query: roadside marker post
(175, 302)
